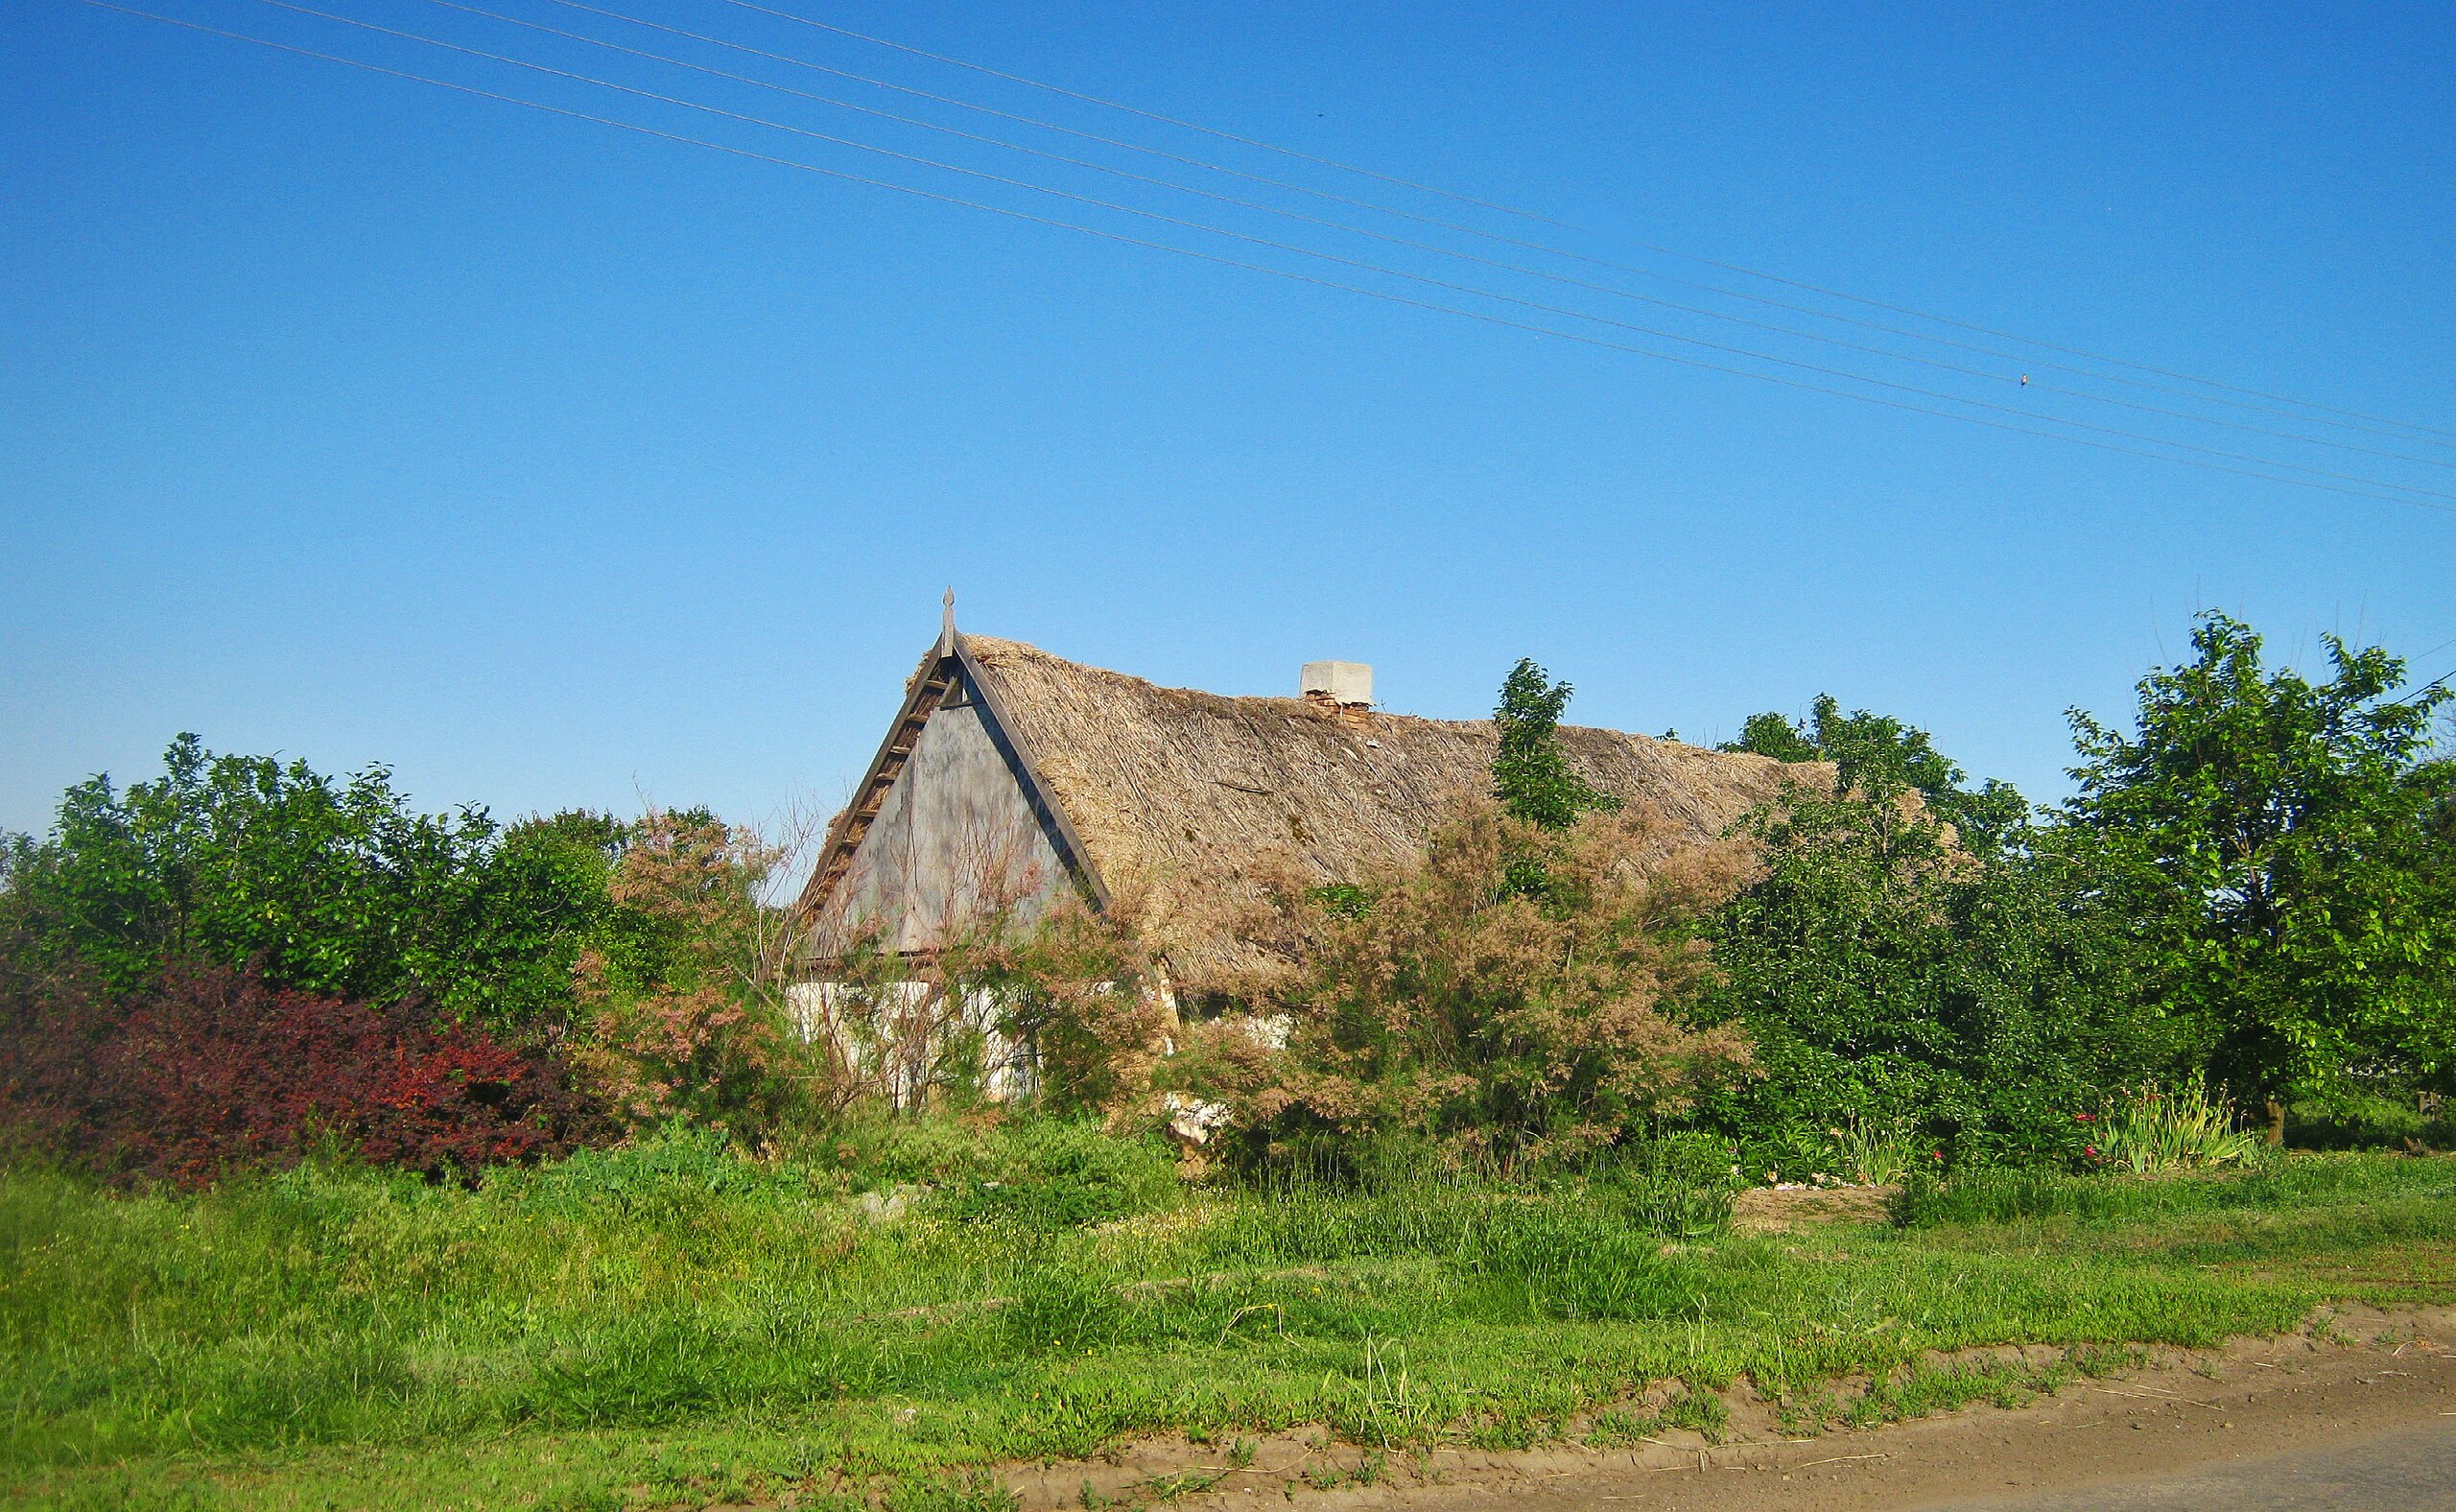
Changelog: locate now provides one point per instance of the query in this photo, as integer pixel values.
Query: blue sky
(347, 417)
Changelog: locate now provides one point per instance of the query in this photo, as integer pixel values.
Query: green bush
(671, 1174)
(1037, 1172)
(1905, 1000)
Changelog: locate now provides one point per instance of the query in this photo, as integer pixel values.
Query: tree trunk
(2275, 1122)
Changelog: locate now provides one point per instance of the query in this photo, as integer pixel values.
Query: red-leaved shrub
(214, 1068)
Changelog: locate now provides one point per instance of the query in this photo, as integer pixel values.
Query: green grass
(670, 1325)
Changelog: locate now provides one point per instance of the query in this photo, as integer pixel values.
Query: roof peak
(994, 651)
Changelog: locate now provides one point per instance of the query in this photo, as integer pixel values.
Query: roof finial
(947, 626)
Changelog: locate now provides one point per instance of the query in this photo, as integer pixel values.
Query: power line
(1345, 227)
(1379, 269)
(1529, 215)
(1472, 291)
(1482, 317)
(1462, 229)
(1153, 115)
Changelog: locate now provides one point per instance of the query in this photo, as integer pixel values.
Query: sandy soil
(1793, 1210)
(2356, 1373)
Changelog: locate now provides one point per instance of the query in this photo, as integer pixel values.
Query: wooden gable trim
(1008, 734)
(931, 682)
(936, 679)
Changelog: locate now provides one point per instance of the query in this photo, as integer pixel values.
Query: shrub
(1505, 1031)
(680, 1006)
(214, 1068)
(2178, 1128)
(1031, 1000)
(330, 887)
(1905, 997)
(1072, 991)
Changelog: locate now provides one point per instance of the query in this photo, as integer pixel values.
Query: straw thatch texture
(1173, 792)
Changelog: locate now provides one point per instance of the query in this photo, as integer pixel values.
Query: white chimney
(1346, 685)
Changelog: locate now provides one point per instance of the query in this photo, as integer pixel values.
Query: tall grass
(1874, 1153)
(673, 1315)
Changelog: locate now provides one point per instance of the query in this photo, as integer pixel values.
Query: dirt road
(2358, 1414)
(2406, 1470)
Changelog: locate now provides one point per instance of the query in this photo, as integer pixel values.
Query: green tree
(331, 887)
(1880, 756)
(1531, 773)
(2280, 844)
(1893, 981)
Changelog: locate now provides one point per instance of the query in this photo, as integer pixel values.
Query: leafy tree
(327, 886)
(1895, 984)
(1880, 756)
(2282, 845)
(1772, 734)
(1532, 774)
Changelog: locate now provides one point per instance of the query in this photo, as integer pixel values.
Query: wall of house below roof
(955, 835)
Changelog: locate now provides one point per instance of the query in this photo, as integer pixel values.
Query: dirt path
(2360, 1412)
(2407, 1470)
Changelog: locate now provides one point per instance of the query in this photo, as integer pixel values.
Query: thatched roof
(1168, 788)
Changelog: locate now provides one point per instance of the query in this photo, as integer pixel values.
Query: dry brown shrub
(1446, 1000)
(1080, 990)
(682, 1011)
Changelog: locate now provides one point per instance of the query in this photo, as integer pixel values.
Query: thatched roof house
(1013, 773)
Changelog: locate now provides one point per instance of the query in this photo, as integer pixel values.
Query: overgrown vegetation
(415, 1131)
(245, 961)
(2250, 899)
(1484, 1024)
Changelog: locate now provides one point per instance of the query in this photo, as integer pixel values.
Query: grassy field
(672, 1326)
